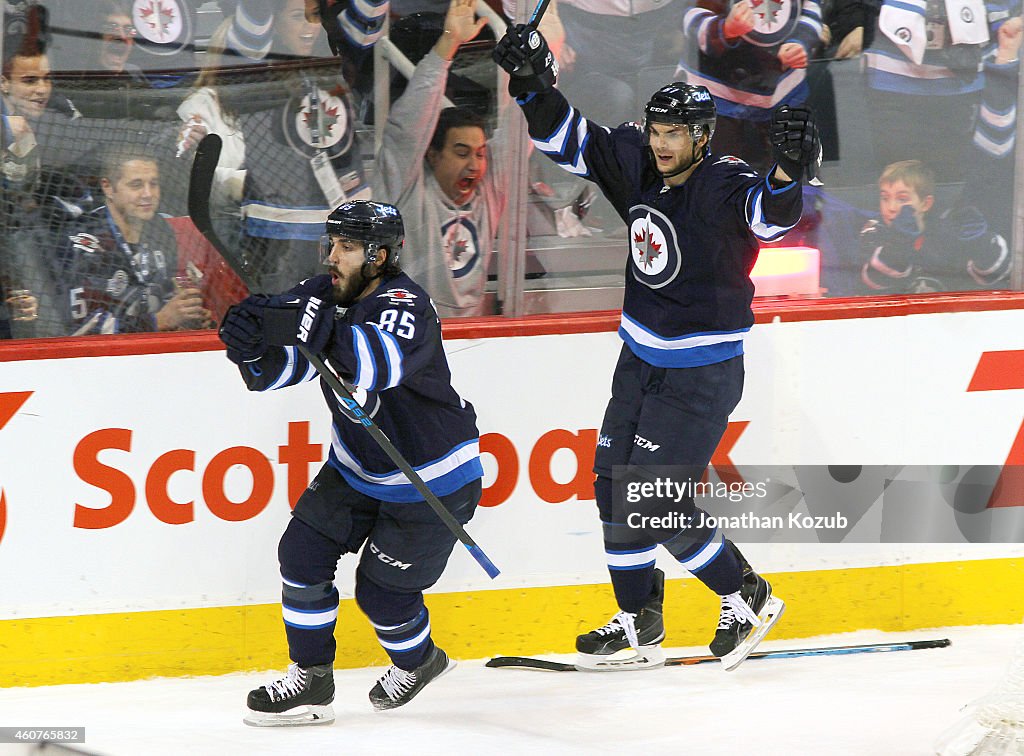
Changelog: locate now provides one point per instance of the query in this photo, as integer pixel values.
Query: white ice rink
(891, 704)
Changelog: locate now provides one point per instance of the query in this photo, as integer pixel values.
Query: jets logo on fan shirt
(164, 26)
(774, 21)
(461, 247)
(86, 243)
(320, 122)
(653, 247)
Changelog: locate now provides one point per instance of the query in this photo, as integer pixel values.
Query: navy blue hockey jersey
(692, 247)
(108, 285)
(387, 347)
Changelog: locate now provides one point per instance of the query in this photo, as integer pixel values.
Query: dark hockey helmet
(681, 103)
(376, 224)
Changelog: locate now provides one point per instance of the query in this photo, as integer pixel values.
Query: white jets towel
(967, 22)
(903, 22)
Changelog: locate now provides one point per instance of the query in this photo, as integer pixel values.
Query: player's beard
(348, 288)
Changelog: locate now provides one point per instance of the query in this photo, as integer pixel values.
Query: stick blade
(201, 181)
(526, 662)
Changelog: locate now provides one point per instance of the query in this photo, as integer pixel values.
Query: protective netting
(94, 228)
(141, 76)
(99, 253)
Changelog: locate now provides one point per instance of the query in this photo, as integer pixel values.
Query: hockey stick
(526, 662)
(538, 13)
(200, 185)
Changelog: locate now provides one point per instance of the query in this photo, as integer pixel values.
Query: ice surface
(891, 704)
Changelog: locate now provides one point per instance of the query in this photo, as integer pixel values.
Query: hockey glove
(523, 53)
(892, 251)
(987, 253)
(796, 145)
(291, 320)
(242, 333)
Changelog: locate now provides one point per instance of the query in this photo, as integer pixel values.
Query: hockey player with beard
(377, 328)
(694, 222)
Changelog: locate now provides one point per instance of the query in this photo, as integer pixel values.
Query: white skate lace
(396, 682)
(289, 685)
(623, 621)
(734, 609)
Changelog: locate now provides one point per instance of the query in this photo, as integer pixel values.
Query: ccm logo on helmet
(307, 318)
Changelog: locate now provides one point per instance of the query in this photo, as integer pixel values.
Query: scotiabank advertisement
(157, 481)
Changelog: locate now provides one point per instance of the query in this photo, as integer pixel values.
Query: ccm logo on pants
(388, 560)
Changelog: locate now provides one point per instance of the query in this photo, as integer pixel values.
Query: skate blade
(648, 657)
(305, 715)
(770, 614)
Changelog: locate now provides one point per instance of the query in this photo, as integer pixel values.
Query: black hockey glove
(891, 252)
(291, 320)
(523, 53)
(242, 333)
(796, 146)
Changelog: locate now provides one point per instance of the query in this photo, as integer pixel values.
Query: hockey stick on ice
(200, 185)
(526, 662)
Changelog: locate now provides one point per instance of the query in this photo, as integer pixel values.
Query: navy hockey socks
(401, 621)
(309, 600)
(707, 555)
(310, 613)
(633, 586)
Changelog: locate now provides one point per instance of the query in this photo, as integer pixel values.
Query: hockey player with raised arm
(378, 330)
(695, 221)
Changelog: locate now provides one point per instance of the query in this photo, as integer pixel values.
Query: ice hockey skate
(628, 641)
(745, 619)
(302, 697)
(399, 686)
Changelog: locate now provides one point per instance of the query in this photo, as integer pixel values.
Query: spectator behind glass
(302, 156)
(104, 83)
(752, 58)
(116, 38)
(294, 35)
(924, 78)
(608, 46)
(33, 115)
(263, 29)
(911, 248)
(208, 109)
(119, 261)
(433, 164)
(37, 140)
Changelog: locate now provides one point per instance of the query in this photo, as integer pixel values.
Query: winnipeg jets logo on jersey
(164, 26)
(461, 247)
(398, 296)
(653, 246)
(85, 243)
(316, 121)
(774, 21)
